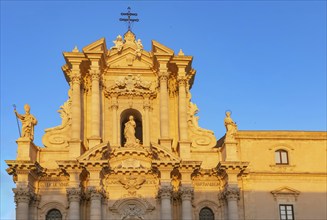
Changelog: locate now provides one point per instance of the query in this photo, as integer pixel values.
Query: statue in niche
(231, 127)
(118, 43)
(129, 133)
(28, 123)
(175, 182)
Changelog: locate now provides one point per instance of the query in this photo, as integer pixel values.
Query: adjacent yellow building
(130, 147)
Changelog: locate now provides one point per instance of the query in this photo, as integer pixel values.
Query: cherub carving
(118, 43)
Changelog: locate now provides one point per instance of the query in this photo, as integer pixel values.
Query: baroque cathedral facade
(130, 147)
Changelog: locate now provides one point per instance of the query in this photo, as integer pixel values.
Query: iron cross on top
(129, 20)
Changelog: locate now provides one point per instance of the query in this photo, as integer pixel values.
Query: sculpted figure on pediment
(139, 49)
(118, 43)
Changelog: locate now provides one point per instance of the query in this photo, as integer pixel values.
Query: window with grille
(281, 157)
(286, 212)
(54, 214)
(206, 214)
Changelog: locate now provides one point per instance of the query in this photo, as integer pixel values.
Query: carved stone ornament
(132, 183)
(187, 193)
(118, 43)
(200, 137)
(175, 183)
(94, 193)
(231, 193)
(58, 136)
(132, 211)
(28, 122)
(131, 83)
(22, 195)
(165, 192)
(74, 194)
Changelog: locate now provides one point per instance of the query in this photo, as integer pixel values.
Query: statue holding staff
(28, 122)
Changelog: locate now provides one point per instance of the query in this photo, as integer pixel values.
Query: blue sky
(263, 60)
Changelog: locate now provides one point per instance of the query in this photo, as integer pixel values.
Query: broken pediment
(158, 48)
(97, 46)
(99, 152)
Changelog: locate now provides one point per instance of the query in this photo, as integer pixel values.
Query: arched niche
(124, 117)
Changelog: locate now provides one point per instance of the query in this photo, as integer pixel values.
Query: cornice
(291, 135)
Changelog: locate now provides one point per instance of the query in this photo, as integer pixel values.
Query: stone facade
(130, 147)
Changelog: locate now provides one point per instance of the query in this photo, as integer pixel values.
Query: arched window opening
(125, 115)
(206, 214)
(54, 214)
(281, 157)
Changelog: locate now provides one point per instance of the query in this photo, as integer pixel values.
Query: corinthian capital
(165, 192)
(95, 75)
(22, 195)
(187, 193)
(76, 79)
(74, 194)
(163, 76)
(182, 81)
(231, 193)
(95, 193)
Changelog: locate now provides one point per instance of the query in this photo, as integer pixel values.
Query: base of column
(93, 141)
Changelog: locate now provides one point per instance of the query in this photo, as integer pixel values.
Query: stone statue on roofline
(118, 43)
(28, 122)
(231, 127)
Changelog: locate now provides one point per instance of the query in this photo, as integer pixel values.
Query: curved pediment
(161, 153)
(98, 152)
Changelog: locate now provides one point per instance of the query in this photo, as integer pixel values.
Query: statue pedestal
(26, 150)
(229, 151)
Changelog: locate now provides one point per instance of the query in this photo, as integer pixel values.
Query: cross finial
(129, 20)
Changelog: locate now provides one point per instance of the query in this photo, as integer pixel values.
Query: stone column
(104, 207)
(34, 203)
(95, 108)
(95, 203)
(22, 199)
(182, 109)
(74, 197)
(164, 113)
(75, 142)
(232, 195)
(165, 198)
(187, 195)
(146, 107)
(76, 103)
(114, 108)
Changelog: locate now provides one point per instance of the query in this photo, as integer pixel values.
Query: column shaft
(146, 141)
(165, 209)
(164, 113)
(76, 108)
(95, 207)
(114, 108)
(182, 110)
(73, 195)
(232, 209)
(187, 194)
(95, 113)
(22, 211)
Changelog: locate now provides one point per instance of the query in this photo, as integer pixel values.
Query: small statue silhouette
(28, 123)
